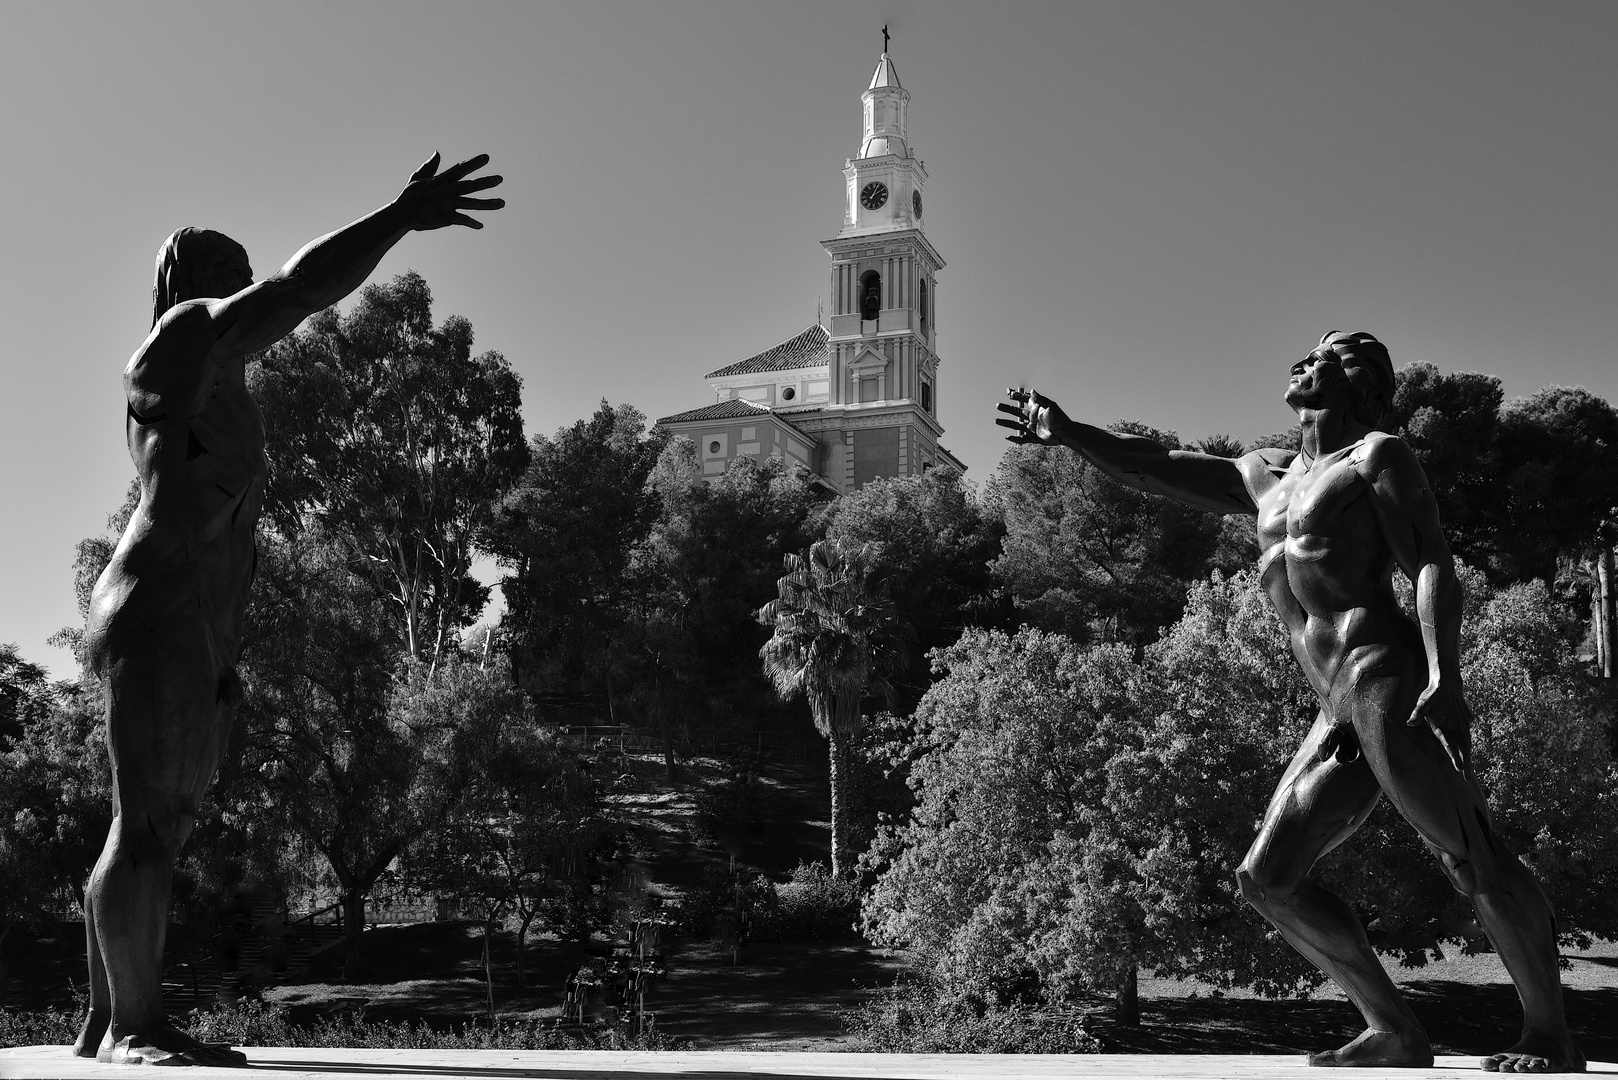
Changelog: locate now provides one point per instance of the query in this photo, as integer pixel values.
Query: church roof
(885, 74)
(808, 349)
(729, 409)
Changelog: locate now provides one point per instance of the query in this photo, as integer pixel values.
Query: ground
(789, 996)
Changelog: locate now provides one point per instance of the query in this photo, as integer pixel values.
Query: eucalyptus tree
(400, 442)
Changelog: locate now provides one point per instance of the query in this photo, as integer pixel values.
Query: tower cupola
(885, 102)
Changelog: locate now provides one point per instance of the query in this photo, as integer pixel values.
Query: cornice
(840, 245)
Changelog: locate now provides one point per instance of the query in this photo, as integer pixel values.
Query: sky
(1147, 210)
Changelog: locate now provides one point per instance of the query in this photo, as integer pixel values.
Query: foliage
(259, 1023)
(933, 540)
(812, 905)
(55, 804)
(1559, 454)
(837, 636)
(357, 754)
(1092, 558)
(530, 835)
(709, 562)
(568, 531)
(40, 1027)
(1077, 815)
(398, 442)
(930, 1017)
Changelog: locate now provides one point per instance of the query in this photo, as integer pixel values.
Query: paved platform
(285, 1063)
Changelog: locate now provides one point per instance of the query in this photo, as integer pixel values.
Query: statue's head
(196, 263)
(1352, 370)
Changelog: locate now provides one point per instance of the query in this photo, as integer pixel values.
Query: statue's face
(1321, 381)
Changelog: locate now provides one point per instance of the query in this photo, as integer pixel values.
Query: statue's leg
(1448, 809)
(1319, 803)
(99, 1013)
(165, 728)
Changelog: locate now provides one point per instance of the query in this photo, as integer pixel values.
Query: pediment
(869, 360)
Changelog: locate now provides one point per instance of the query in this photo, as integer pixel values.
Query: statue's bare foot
(168, 1046)
(1537, 1054)
(90, 1034)
(1408, 1049)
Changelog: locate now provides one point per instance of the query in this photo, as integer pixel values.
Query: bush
(811, 906)
(45, 1027)
(925, 1018)
(709, 915)
(258, 1023)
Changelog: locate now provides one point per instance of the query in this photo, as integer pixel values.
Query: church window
(788, 393)
(715, 447)
(870, 295)
(921, 301)
(927, 396)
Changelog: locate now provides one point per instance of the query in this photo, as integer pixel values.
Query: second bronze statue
(165, 623)
(1334, 519)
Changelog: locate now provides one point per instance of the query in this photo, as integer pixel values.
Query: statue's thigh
(1444, 806)
(166, 725)
(1317, 805)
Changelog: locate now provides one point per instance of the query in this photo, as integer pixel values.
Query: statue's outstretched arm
(1223, 485)
(329, 268)
(1408, 514)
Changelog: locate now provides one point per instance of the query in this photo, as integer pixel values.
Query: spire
(885, 102)
(885, 75)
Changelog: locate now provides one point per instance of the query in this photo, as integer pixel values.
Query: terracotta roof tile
(808, 349)
(729, 409)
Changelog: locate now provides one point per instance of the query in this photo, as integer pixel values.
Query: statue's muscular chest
(1312, 505)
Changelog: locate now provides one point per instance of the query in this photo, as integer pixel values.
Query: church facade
(855, 396)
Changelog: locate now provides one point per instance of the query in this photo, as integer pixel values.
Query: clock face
(915, 202)
(874, 195)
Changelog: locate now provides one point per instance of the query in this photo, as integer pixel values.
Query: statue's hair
(1372, 356)
(184, 249)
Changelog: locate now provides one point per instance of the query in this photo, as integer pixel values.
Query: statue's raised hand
(1038, 418)
(433, 199)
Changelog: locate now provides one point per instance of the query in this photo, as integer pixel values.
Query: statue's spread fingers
(470, 165)
(478, 183)
(1008, 407)
(479, 204)
(1012, 424)
(464, 219)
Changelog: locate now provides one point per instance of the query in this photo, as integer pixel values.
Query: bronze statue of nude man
(165, 618)
(1334, 520)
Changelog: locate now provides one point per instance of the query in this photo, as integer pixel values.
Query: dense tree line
(1071, 701)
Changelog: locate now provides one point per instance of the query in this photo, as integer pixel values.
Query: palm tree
(837, 637)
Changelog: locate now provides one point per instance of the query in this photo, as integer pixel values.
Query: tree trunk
(353, 926)
(1128, 999)
(488, 971)
(1605, 636)
(841, 856)
(522, 942)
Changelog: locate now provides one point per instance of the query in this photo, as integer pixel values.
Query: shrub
(44, 1027)
(926, 1018)
(811, 906)
(258, 1023)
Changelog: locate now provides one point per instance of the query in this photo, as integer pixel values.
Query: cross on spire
(884, 37)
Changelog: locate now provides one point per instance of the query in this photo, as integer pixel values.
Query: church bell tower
(854, 397)
(884, 309)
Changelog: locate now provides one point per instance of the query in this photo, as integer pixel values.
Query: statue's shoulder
(1380, 451)
(1267, 460)
(173, 357)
